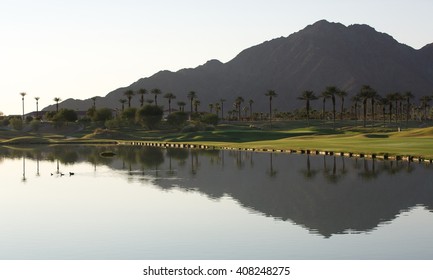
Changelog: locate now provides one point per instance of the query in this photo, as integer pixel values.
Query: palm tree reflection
(271, 172)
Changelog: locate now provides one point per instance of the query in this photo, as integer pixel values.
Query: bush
(177, 119)
(209, 119)
(129, 114)
(150, 116)
(16, 123)
(115, 123)
(35, 124)
(5, 122)
(190, 128)
(65, 115)
(102, 115)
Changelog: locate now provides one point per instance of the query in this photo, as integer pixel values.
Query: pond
(72, 202)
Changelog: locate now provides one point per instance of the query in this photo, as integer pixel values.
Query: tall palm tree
(383, 102)
(196, 103)
(169, 96)
(342, 94)
(181, 105)
(191, 96)
(142, 92)
(374, 97)
(308, 96)
(94, 102)
(425, 100)
(22, 98)
(251, 102)
(366, 93)
(222, 100)
(390, 97)
(408, 96)
(37, 106)
(57, 100)
(217, 108)
(271, 94)
(156, 92)
(324, 95)
(331, 91)
(129, 94)
(211, 105)
(397, 99)
(238, 102)
(356, 99)
(122, 101)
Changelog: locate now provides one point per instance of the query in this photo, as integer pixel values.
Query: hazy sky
(80, 49)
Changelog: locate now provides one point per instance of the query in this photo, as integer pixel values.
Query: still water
(151, 203)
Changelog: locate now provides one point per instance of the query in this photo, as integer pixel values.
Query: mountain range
(320, 55)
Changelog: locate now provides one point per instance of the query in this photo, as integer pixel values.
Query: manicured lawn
(347, 136)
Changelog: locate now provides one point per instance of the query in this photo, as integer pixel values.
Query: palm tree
(331, 91)
(238, 101)
(308, 96)
(245, 109)
(222, 100)
(408, 96)
(181, 105)
(57, 100)
(366, 93)
(122, 101)
(129, 94)
(37, 106)
(425, 100)
(383, 102)
(356, 99)
(217, 108)
(271, 94)
(142, 92)
(397, 99)
(211, 107)
(342, 94)
(156, 92)
(22, 98)
(191, 96)
(94, 102)
(169, 97)
(390, 97)
(251, 102)
(324, 95)
(373, 96)
(196, 103)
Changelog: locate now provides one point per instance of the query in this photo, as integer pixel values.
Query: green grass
(347, 136)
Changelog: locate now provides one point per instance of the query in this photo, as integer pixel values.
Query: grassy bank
(345, 137)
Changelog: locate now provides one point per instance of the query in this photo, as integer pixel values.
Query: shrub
(102, 115)
(35, 124)
(150, 116)
(16, 123)
(177, 119)
(129, 114)
(209, 119)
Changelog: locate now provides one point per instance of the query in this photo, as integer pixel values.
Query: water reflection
(326, 194)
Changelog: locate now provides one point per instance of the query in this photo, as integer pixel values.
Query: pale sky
(80, 49)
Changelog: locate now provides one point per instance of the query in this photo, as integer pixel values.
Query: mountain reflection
(325, 194)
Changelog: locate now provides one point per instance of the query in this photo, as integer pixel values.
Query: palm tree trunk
(333, 110)
(323, 108)
(365, 111)
(270, 110)
(342, 108)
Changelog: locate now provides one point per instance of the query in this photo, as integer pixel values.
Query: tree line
(366, 105)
